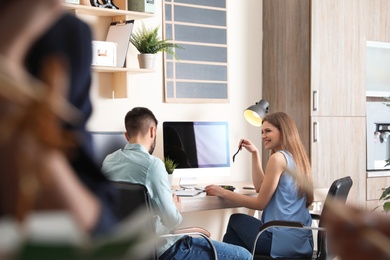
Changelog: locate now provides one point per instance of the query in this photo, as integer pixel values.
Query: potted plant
(148, 43)
(170, 166)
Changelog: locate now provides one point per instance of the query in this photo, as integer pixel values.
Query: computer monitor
(105, 143)
(199, 148)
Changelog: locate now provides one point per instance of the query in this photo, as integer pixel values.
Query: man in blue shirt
(136, 164)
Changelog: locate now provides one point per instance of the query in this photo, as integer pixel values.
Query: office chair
(135, 196)
(339, 190)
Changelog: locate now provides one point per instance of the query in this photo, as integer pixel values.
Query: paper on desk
(187, 193)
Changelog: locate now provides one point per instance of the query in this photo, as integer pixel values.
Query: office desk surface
(203, 202)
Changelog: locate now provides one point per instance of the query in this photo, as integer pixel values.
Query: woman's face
(271, 136)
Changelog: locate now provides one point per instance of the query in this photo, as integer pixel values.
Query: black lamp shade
(255, 114)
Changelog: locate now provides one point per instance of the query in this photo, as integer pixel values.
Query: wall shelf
(97, 11)
(102, 69)
(118, 78)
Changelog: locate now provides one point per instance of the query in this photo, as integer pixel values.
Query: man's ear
(152, 131)
(127, 136)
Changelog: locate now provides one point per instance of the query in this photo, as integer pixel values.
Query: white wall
(244, 57)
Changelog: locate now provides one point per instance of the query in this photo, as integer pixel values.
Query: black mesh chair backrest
(132, 197)
(339, 190)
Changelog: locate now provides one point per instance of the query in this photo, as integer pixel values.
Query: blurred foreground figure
(43, 165)
(358, 234)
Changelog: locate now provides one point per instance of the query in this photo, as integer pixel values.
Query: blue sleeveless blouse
(286, 204)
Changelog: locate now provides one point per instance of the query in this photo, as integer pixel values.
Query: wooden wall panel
(378, 20)
(286, 61)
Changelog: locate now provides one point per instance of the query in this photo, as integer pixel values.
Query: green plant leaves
(170, 165)
(386, 207)
(387, 162)
(147, 40)
(385, 196)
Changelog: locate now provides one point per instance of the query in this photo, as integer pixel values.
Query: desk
(203, 202)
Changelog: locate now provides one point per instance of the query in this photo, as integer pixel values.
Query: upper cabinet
(378, 20)
(313, 53)
(338, 49)
(112, 81)
(314, 59)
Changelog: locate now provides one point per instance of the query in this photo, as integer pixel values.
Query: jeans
(198, 248)
(242, 230)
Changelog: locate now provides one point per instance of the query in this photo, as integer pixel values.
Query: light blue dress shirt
(134, 164)
(286, 204)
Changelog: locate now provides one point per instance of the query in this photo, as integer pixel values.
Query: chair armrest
(191, 230)
(281, 223)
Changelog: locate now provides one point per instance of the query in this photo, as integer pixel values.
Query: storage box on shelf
(99, 19)
(141, 6)
(104, 53)
(76, 2)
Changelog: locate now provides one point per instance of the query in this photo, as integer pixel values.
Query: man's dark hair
(138, 120)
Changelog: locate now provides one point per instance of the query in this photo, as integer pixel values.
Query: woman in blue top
(280, 197)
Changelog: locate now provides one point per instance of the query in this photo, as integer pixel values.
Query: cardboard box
(75, 2)
(104, 53)
(146, 6)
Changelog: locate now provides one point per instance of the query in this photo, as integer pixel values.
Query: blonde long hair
(292, 143)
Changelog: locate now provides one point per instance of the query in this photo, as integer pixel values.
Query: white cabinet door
(337, 58)
(338, 150)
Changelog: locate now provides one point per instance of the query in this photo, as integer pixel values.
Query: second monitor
(199, 148)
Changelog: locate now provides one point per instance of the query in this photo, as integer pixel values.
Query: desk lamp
(255, 113)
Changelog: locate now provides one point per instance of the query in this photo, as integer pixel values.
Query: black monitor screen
(197, 144)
